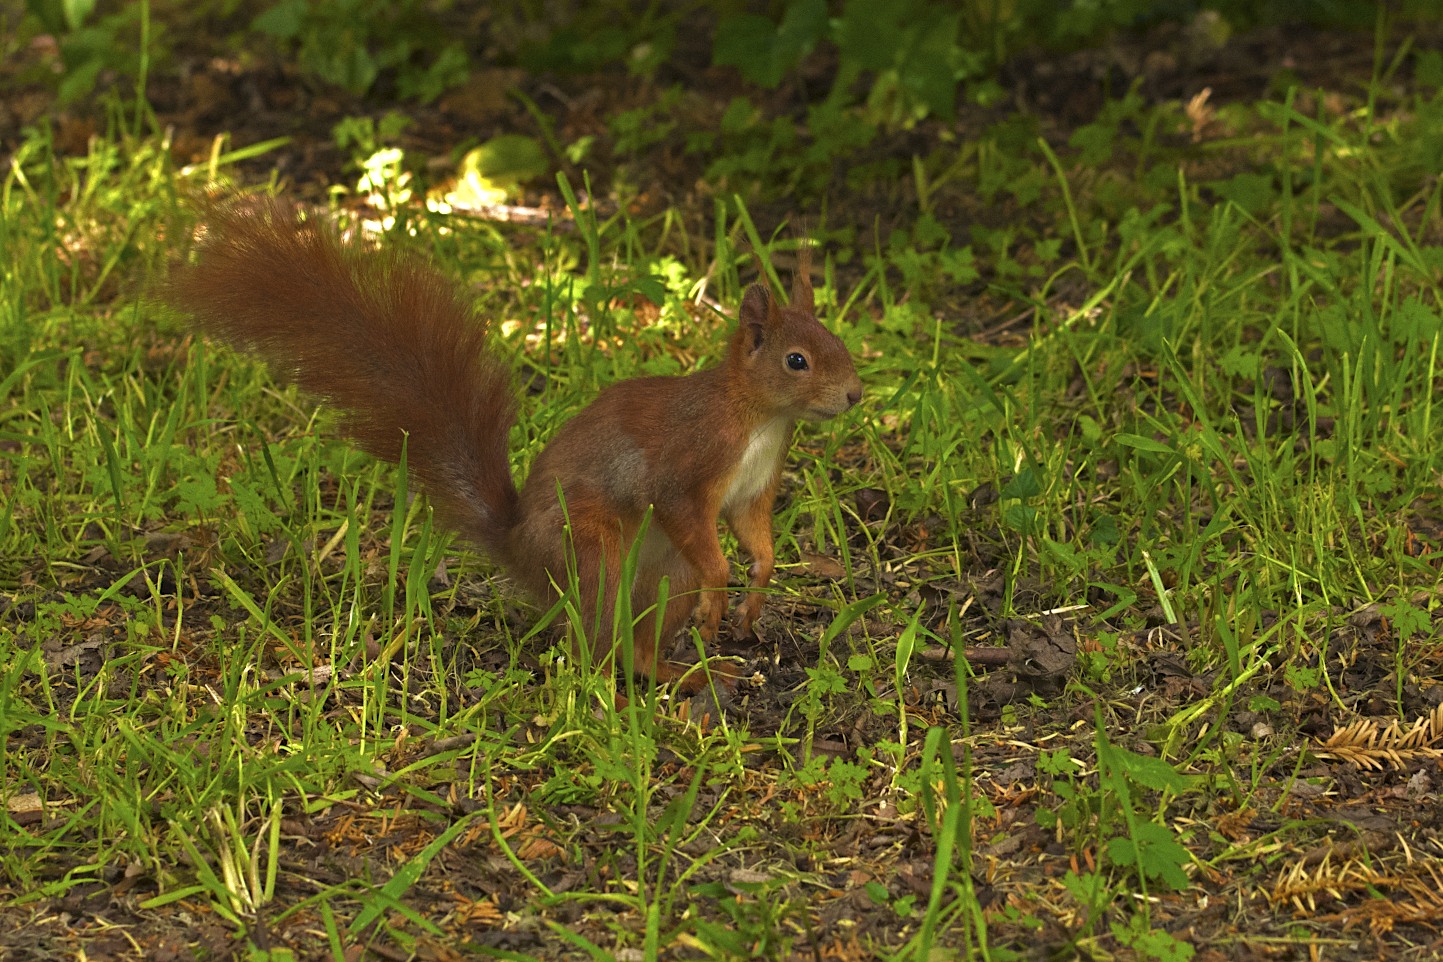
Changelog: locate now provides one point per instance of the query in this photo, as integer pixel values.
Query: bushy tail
(381, 334)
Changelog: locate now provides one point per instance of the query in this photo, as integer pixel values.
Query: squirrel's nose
(853, 396)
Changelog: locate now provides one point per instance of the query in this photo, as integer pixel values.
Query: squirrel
(391, 341)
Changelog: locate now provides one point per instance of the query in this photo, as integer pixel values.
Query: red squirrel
(392, 342)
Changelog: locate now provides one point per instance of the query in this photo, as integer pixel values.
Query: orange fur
(390, 341)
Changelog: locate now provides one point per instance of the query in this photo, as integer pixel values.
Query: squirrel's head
(795, 365)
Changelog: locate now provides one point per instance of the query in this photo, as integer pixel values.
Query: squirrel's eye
(796, 361)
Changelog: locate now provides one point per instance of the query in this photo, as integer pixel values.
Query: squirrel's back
(381, 334)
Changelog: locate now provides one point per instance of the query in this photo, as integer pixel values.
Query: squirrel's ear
(756, 314)
(801, 296)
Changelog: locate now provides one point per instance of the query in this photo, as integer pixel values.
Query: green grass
(1212, 438)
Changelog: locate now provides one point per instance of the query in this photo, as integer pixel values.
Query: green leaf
(1414, 321)
(739, 116)
(926, 71)
(869, 30)
(1253, 193)
(61, 16)
(81, 80)
(198, 494)
(802, 26)
(1242, 361)
(764, 51)
(509, 158)
(1095, 142)
(1105, 531)
(1338, 328)
(1022, 485)
(283, 20)
(1143, 444)
(745, 42)
(1088, 889)
(960, 265)
(77, 12)
(1154, 853)
(1409, 621)
(1148, 771)
(1019, 517)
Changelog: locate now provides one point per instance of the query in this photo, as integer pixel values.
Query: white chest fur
(758, 463)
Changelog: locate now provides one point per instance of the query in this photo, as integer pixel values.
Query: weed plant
(226, 637)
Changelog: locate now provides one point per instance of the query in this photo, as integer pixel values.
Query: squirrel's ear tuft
(801, 296)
